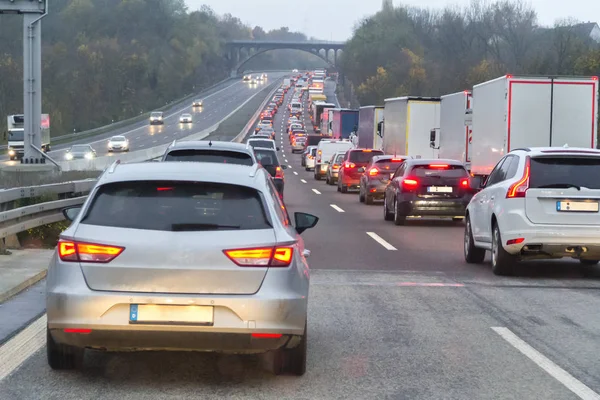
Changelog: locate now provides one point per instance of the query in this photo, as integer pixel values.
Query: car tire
(398, 219)
(317, 177)
(293, 361)
(307, 169)
(361, 196)
(387, 216)
(61, 356)
(368, 199)
(503, 263)
(473, 255)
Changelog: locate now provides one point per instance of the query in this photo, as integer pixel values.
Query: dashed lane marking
(302, 180)
(22, 346)
(336, 208)
(381, 241)
(316, 191)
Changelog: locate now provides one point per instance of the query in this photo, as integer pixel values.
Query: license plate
(439, 189)
(165, 314)
(577, 206)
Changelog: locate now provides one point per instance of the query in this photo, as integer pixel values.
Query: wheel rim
(495, 247)
(467, 236)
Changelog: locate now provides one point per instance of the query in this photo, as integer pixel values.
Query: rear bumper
(297, 149)
(433, 207)
(350, 181)
(279, 184)
(321, 169)
(375, 189)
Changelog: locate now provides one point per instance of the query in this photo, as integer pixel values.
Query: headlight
(89, 156)
(160, 118)
(69, 156)
(11, 153)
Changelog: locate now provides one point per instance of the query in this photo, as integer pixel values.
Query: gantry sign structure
(33, 11)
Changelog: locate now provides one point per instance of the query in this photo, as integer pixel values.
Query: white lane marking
(336, 208)
(316, 191)
(381, 241)
(18, 349)
(154, 141)
(302, 180)
(568, 380)
(295, 173)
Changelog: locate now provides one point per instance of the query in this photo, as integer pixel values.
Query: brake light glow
(87, 252)
(78, 330)
(367, 150)
(519, 188)
(440, 166)
(261, 257)
(349, 164)
(164, 189)
(410, 183)
(397, 159)
(267, 335)
(373, 172)
(464, 183)
(515, 241)
(278, 172)
(336, 166)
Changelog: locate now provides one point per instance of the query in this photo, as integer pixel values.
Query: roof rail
(256, 166)
(173, 144)
(113, 167)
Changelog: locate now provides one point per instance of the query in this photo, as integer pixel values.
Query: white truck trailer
(369, 135)
(454, 136)
(407, 126)
(514, 112)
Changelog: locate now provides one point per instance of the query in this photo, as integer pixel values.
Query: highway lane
(217, 105)
(411, 323)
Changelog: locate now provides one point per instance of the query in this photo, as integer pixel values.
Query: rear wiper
(201, 227)
(559, 185)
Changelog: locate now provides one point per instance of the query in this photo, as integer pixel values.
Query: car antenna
(210, 143)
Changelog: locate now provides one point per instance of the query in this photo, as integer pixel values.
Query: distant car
(198, 103)
(209, 151)
(267, 131)
(262, 126)
(427, 188)
(264, 76)
(311, 153)
(260, 142)
(376, 175)
(156, 118)
(298, 143)
(185, 119)
(269, 160)
(118, 143)
(247, 78)
(253, 81)
(354, 161)
(80, 151)
(295, 71)
(331, 177)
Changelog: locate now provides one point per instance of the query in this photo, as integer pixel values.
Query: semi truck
(16, 135)
(319, 108)
(454, 137)
(514, 112)
(369, 127)
(408, 124)
(344, 123)
(287, 83)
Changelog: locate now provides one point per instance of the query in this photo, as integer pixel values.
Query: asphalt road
(394, 313)
(219, 103)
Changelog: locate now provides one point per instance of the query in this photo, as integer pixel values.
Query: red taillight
(519, 189)
(87, 252)
(515, 241)
(439, 166)
(278, 172)
(267, 335)
(349, 164)
(373, 172)
(464, 183)
(78, 330)
(410, 184)
(164, 189)
(261, 257)
(336, 166)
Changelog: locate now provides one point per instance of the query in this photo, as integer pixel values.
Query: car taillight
(519, 188)
(87, 252)
(349, 165)
(278, 172)
(373, 172)
(410, 184)
(464, 183)
(439, 166)
(261, 257)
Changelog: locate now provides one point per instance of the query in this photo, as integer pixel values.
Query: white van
(326, 149)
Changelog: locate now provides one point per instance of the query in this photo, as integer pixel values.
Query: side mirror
(278, 149)
(432, 137)
(283, 166)
(71, 213)
(304, 221)
(361, 169)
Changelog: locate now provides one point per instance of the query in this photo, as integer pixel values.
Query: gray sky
(335, 19)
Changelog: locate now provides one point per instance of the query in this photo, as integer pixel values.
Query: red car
(354, 160)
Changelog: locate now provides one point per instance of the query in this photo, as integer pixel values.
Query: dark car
(268, 159)
(312, 140)
(209, 151)
(355, 159)
(80, 151)
(375, 177)
(427, 188)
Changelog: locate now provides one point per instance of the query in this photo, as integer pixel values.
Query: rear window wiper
(201, 227)
(559, 185)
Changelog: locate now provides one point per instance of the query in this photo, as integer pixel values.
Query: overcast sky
(335, 19)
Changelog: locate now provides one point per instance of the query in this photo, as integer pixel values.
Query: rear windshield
(266, 157)
(449, 171)
(213, 156)
(313, 152)
(177, 206)
(262, 143)
(561, 172)
(314, 140)
(363, 156)
(296, 105)
(388, 165)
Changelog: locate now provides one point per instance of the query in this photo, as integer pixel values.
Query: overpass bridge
(239, 52)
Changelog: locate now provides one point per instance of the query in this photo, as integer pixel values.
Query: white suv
(537, 203)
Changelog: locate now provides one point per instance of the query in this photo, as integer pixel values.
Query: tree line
(423, 52)
(108, 60)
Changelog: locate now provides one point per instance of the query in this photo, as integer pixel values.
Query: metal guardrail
(14, 219)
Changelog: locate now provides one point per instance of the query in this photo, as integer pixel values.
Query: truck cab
(15, 135)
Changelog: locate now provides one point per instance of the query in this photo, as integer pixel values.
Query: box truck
(514, 112)
(16, 135)
(369, 134)
(344, 123)
(407, 126)
(454, 136)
